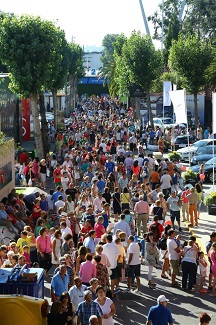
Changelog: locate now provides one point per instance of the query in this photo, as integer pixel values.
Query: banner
(214, 113)
(167, 87)
(25, 119)
(178, 98)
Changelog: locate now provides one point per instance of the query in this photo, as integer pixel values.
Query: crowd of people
(111, 207)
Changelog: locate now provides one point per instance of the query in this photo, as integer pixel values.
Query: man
(193, 201)
(88, 308)
(173, 205)
(141, 214)
(123, 181)
(98, 203)
(70, 272)
(154, 178)
(56, 194)
(77, 292)
(153, 195)
(65, 229)
(166, 183)
(93, 320)
(128, 163)
(59, 203)
(133, 262)
(112, 252)
(59, 283)
(208, 245)
(5, 220)
(29, 200)
(185, 203)
(84, 232)
(156, 228)
(160, 314)
(90, 215)
(89, 241)
(173, 251)
(123, 225)
(101, 184)
(110, 166)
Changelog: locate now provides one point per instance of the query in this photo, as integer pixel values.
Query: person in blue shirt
(206, 133)
(151, 136)
(110, 166)
(101, 184)
(89, 241)
(160, 314)
(59, 283)
(57, 193)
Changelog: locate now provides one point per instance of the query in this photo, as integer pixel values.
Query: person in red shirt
(185, 203)
(23, 158)
(85, 229)
(99, 229)
(156, 228)
(57, 175)
(36, 210)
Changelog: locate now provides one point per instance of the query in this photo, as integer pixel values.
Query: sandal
(175, 285)
(164, 276)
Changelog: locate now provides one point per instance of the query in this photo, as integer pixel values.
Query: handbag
(30, 182)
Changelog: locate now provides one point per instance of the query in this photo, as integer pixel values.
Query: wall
(7, 174)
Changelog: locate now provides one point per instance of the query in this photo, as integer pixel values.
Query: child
(27, 255)
(203, 270)
(142, 242)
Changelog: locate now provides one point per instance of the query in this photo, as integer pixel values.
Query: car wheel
(210, 176)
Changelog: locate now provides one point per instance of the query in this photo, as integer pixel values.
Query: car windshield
(210, 161)
(207, 150)
(168, 121)
(199, 144)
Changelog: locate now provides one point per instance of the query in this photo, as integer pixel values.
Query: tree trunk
(149, 109)
(55, 106)
(44, 125)
(36, 124)
(195, 110)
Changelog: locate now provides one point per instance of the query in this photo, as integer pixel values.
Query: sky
(87, 21)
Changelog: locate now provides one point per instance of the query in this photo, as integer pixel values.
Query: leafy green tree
(143, 63)
(26, 47)
(189, 58)
(107, 71)
(75, 71)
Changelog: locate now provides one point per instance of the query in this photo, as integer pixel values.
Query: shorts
(117, 210)
(134, 270)
(119, 270)
(113, 276)
(175, 215)
(175, 266)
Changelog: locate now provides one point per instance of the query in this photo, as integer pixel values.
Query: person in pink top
(99, 229)
(44, 250)
(87, 270)
(185, 203)
(27, 255)
(141, 213)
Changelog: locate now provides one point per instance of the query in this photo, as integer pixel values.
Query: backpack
(155, 230)
(162, 243)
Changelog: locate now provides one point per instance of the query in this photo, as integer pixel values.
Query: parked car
(203, 154)
(182, 141)
(187, 152)
(208, 169)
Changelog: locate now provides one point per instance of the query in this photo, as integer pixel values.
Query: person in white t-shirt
(112, 252)
(133, 262)
(173, 251)
(166, 183)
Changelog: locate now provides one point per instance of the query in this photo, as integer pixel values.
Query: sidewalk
(207, 224)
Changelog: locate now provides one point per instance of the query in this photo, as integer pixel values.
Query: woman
(189, 265)
(44, 250)
(158, 211)
(68, 308)
(39, 224)
(125, 199)
(133, 182)
(56, 247)
(56, 316)
(130, 220)
(69, 206)
(162, 245)
(204, 319)
(116, 204)
(199, 192)
(36, 210)
(75, 226)
(161, 145)
(152, 257)
(107, 306)
(106, 195)
(212, 256)
(145, 173)
(135, 168)
(80, 258)
(66, 248)
(93, 285)
(42, 173)
(35, 169)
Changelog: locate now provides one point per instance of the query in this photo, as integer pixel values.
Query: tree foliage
(190, 58)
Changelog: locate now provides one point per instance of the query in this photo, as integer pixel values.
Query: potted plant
(210, 201)
(190, 177)
(173, 156)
